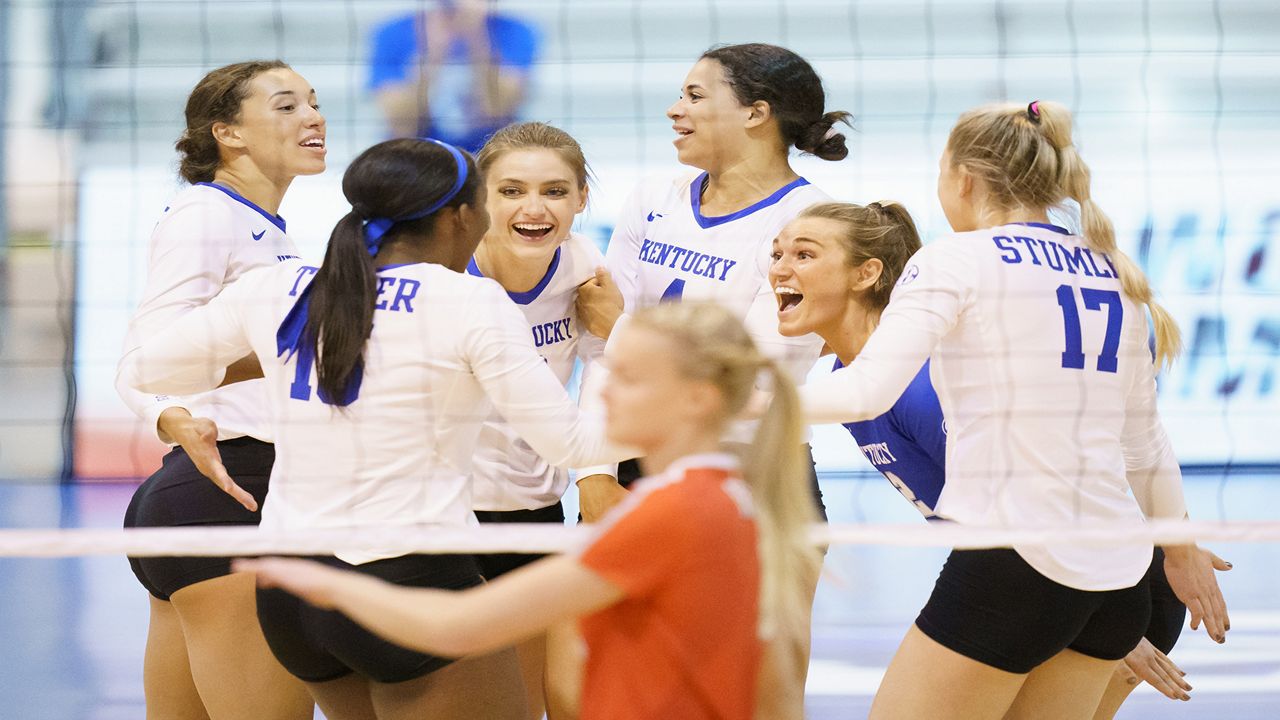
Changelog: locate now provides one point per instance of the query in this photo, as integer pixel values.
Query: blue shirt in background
(398, 46)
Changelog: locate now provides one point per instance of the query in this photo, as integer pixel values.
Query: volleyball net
(1178, 114)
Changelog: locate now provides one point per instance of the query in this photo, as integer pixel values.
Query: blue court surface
(73, 630)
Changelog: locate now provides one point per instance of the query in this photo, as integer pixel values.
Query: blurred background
(1178, 111)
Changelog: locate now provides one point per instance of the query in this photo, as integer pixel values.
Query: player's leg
(532, 653)
(991, 620)
(1168, 617)
(233, 668)
(1067, 686)
(1122, 683)
(346, 698)
(485, 687)
(532, 657)
(927, 679)
(566, 657)
(1072, 684)
(166, 673)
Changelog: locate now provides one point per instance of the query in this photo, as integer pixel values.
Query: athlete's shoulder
(809, 194)
(198, 198)
(666, 186)
(580, 254)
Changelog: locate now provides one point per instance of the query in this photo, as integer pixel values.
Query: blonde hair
(1026, 157)
(534, 136)
(880, 230)
(713, 346)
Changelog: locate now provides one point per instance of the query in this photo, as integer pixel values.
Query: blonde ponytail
(779, 479)
(1028, 159)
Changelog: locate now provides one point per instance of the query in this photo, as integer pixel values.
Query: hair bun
(823, 140)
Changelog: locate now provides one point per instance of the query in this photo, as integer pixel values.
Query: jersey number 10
(1094, 299)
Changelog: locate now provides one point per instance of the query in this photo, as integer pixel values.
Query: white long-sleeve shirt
(509, 474)
(208, 237)
(446, 348)
(665, 249)
(1045, 378)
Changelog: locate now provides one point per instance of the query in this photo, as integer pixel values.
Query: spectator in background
(456, 72)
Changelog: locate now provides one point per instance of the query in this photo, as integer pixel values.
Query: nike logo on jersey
(653, 215)
(257, 235)
(701, 264)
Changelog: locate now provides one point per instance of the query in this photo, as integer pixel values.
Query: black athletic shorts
(1168, 614)
(177, 495)
(991, 606)
(629, 472)
(320, 645)
(493, 565)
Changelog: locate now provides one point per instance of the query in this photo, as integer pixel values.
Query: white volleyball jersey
(446, 349)
(509, 475)
(208, 237)
(1047, 384)
(665, 249)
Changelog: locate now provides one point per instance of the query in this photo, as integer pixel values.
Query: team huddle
(1002, 375)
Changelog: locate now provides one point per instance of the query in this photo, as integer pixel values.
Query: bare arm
(246, 368)
(479, 620)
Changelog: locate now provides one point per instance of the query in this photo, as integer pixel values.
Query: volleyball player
(252, 128)
(842, 261)
(386, 355)
(705, 235)
(680, 581)
(1038, 346)
(536, 176)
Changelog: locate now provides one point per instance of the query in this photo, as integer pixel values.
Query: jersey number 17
(1094, 299)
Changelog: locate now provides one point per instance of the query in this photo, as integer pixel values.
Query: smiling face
(708, 120)
(279, 126)
(811, 277)
(533, 198)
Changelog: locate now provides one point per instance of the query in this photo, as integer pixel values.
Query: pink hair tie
(1033, 111)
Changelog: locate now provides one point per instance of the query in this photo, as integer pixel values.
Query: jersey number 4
(1094, 299)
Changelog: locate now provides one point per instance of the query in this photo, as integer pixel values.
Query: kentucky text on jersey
(701, 264)
(551, 332)
(1075, 261)
(878, 453)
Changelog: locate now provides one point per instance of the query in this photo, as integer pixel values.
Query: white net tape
(542, 538)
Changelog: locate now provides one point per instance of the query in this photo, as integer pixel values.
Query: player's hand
(1190, 571)
(1146, 662)
(309, 580)
(599, 304)
(199, 438)
(597, 495)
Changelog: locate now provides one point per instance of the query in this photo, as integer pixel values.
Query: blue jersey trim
(275, 219)
(524, 298)
(704, 222)
(1046, 226)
